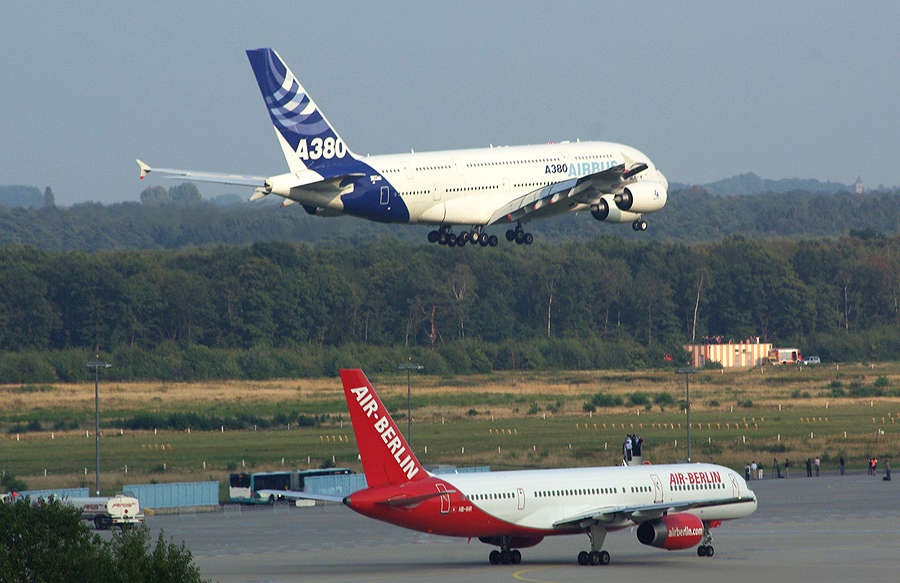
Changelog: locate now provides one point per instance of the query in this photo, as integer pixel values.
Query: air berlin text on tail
(388, 435)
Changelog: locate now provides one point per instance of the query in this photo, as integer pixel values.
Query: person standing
(753, 473)
(747, 472)
(777, 468)
(787, 468)
(887, 471)
(842, 465)
(817, 462)
(808, 468)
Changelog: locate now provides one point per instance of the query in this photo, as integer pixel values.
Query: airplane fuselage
(535, 503)
(465, 187)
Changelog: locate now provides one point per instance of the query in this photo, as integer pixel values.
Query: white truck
(108, 512)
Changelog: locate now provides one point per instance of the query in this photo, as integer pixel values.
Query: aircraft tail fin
(307, 139)
(386, 457)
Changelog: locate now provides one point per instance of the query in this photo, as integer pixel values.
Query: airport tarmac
(830, 528)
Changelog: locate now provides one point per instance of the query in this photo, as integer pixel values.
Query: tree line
(177, 218)
(279, 309)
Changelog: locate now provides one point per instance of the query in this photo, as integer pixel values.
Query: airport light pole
(97, 365)
(687, 372)
(409, 367)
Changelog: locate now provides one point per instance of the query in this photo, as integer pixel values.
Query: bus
(244, 488)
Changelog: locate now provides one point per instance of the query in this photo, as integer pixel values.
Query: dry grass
(744, 415)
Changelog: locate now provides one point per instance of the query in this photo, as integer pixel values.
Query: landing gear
(706, 549)
(639, 225)
(505, 556)
(597, 534)
(443, 236)
(519, 236)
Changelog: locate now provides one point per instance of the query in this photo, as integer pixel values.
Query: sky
(708, 90)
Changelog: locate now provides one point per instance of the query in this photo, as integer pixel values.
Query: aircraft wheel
(510, 235)
(451, 239)
(484, 241)
(460, 242)
(433, 236)
(583, 558)
(516, 556)
(528, 238)
(475, 236)
(604, 558)
(505, 557)
(494, 557)
(442, 238)
(710, 551)
(493, 240)
(464, 236)
(643, 225)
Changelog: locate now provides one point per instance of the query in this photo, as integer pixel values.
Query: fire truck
(785, 356)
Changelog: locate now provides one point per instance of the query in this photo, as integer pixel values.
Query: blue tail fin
(306, 137)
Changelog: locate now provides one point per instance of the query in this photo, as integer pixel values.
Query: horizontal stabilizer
(236, 179)
(416, 500)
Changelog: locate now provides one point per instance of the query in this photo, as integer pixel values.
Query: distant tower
(858, 185)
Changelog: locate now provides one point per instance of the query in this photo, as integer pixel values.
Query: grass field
(503, 420)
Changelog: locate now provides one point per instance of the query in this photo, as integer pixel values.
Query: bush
(50, 542)
(601, 399)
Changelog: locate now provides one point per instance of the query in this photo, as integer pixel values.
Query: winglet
(386, 457)
(145, 169)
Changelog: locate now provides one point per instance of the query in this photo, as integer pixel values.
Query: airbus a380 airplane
(473, 189)
(674, 506)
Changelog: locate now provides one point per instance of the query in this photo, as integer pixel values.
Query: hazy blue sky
(708, 90)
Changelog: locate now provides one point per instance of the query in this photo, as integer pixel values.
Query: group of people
(872, 469)
(754, 471)
(632, 447)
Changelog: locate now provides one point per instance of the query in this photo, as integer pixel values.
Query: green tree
(48, 542)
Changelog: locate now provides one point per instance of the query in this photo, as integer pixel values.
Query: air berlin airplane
(674, 506)
(476, 188)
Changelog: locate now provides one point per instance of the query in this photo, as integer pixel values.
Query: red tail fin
(386, 456)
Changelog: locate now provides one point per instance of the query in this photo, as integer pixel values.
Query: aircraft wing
(641, 513)
(551, 200)
(294, 495)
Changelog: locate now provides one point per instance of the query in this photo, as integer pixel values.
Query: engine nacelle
(671, 532)
(642, 197)
(606, 210)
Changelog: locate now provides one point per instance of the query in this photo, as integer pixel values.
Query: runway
(830, 528)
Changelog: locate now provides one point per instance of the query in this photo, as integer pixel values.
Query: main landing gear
(443, 236)
(519, 236)
(597, 534)
(505, 556)
(706, 549)
(639, 225)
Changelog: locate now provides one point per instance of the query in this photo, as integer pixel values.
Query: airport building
(728, 353)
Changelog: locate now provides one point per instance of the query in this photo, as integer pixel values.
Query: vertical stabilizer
(306, 137)
(386, 457)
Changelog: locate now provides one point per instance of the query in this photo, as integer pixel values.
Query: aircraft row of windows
(593, 157)
(531, 184)
(493, 496)
(421, 168)
(463, 189)
(590, 491)
(511, 162)
(683, 487)
(576, 492)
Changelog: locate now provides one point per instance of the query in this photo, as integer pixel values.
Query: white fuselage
(538, 499)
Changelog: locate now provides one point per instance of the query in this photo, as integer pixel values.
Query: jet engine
(642, 197)
(606, 209)
(671, 532)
